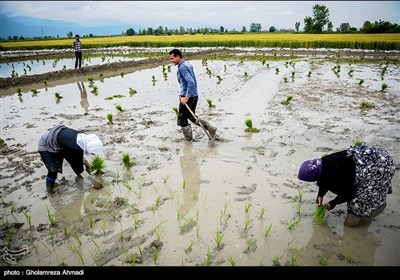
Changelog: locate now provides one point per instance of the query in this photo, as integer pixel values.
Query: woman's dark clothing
(337, 176)
(360, 176)
(68, 149)
(78, 53)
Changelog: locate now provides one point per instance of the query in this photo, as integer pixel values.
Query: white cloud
(230, 14)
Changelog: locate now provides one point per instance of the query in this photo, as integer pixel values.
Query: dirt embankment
(108, 70)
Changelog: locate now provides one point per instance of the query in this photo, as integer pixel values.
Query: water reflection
(84, 99)
(191, 176)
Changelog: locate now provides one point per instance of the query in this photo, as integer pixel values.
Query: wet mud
(234, 201)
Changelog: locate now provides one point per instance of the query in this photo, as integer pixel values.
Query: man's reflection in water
(191, 176)
(84, 99)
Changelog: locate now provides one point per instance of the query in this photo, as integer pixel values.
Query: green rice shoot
(319, 214)
(98, 165)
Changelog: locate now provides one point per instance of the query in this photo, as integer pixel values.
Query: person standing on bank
(188, 95)
(62, 142)
(360, 176)
(77, 45)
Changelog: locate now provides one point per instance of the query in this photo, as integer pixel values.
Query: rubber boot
(50, 183)
(209, 127)
(351, 220)
(187, 132)
(379, 210)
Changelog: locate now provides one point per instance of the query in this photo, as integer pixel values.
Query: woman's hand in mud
(328, 206)
(319, 201)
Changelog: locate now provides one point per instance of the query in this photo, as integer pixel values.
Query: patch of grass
(250, 128)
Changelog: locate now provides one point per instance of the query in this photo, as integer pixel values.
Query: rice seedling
(118, 107)
(45, 83)
(275, 261)
(384, 87)
(247, 223)
(251, 243)
(183, 184)
(207, 262)
(138, 193)
(65, 229)
(127, 185)
(277, 71)
(34, 91)
(166, 177)
(90, 79)
(262, 212)
(58, 95)
(231, 261)
(298, 208)
(225, 68)
(75, 235)
(350, 73)
(110, 118)
(210, 103)
(290, 243)
(175, 110)
(361, 82)
(52, 236)
(293, 225)
(293, 260)
(285, 79)
(309, 74)
(356, 142)
(94, 90)
(247, 206)
(218, 238)
(51, 218)
(319, 214)
(366, 105)
(190, 247)
(28, 220)
(293, 74)
(155, 256)
(122, 74)
(19, 91)
(132, 91)
(165, 75)
(286, 102)
(268, 230)
(127, 161)
(90, 220)
(98, 165)
(349, 255)
(246, 75)
(322, 260)
(250, 128)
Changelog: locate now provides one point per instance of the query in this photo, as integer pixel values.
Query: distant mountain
(36, 27)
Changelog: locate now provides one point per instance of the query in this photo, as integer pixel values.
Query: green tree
(255, 27)
(244, 29)
(297, 26)
(221, 29)
(330, 26)
(70, 34)
(130, 32)
(344, 27)
(272, 29)
(318, 21)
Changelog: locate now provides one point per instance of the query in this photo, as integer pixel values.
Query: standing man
(188, 95)
(77, 45)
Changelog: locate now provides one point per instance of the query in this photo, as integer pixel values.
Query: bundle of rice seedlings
(98, 165)
(319, 214)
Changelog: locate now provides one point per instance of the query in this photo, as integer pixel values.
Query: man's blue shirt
(187, 79)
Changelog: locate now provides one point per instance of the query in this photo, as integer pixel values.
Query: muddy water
(32, 67)
(171, 206)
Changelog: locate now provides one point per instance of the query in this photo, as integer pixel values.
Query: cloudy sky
(230, 14)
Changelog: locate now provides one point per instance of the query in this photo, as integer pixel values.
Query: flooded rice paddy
(234, 201)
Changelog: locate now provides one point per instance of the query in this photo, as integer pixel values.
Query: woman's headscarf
(90, 143)
(310, 170)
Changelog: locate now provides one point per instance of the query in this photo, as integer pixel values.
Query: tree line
(318, 23)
